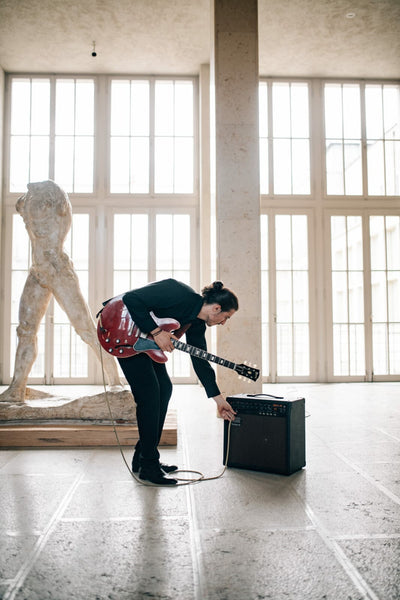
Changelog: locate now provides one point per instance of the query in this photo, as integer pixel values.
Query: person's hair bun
(216, 293)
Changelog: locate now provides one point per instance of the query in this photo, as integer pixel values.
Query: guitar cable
(181, 480)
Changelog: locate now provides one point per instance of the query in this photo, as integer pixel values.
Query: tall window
(354, 338)
(385, 286)
(347, 296)
(152, 136)
(30, 132)
(350, 152)
(52, 144)
(285, 315)
(292, 297)
(265, 293)
(74, 134)
(284, 138)
(382, 112)
(343, 139)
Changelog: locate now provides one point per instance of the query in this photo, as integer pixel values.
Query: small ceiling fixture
(94, 53)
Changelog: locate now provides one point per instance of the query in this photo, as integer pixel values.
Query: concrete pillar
(234, 70)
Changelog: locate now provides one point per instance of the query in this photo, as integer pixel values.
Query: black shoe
(136, 464)
(155, 475)
(168, 468)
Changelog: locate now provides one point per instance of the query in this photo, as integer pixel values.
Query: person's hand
(163, 341)
(225, 410)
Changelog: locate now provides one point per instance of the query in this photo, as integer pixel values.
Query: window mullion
(364, 147)
(152, 134)
(367, 299)
(272, 298)
(343, 143)
(52, 140)
(384, 146)
(270, 140)
(387, 296)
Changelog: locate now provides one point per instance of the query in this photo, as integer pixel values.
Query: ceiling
(310, 38)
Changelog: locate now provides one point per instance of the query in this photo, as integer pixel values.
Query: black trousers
(152, 390)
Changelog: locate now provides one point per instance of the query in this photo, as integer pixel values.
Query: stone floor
(75, 525)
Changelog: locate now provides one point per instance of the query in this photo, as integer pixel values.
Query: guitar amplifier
(268, 434)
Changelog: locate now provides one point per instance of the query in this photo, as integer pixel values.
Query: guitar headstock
(247, 371)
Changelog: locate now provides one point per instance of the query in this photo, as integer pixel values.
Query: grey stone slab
(6, 456)
(27, 502)
(362, 435)
(346, 503)
(321, 459)
(378, 561)
(278, 565)
(14, 551)
(107, 464)
(364, 454)
(125, 499)
(48, 461)
(386, 474)
(118, 561)
(248, 499)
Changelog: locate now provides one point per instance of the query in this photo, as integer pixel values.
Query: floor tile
(14, 551)
(28, 502)
(118, 561)
(378, 561)
(346, 503)
(278, 565)
(124, 500)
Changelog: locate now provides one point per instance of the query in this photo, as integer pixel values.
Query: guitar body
(118, 334)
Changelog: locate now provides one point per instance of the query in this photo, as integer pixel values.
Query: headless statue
(47, 214)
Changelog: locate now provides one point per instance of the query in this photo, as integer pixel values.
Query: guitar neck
(197, 352)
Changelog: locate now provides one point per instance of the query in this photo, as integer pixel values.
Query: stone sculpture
(47, 214)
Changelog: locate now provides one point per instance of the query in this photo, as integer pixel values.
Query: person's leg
(151, 397)
(165, 396)
(140, 374)
(165, 386)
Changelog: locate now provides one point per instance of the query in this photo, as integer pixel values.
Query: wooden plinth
(63, 435)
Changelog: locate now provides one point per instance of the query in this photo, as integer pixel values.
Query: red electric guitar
(121, 337)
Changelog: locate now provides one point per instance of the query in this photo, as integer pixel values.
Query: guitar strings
(181, 480)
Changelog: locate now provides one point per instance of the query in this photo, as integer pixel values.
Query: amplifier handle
(267, 395)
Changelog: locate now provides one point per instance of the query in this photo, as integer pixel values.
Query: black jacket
(176, 300)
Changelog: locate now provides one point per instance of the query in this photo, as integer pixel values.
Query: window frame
(365, 215)
(364, 166)
(185, 198)
(272, 376)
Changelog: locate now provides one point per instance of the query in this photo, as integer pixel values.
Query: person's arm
(195, 336)
(150, 298)
(225, 410)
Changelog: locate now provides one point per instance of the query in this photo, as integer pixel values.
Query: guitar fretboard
(203, 354)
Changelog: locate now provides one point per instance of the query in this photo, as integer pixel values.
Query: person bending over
(149, 380)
